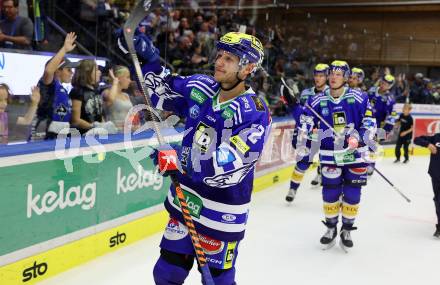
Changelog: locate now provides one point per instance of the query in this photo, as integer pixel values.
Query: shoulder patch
(198, 96)
(258, 104)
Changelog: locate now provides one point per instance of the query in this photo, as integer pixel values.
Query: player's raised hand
(69, 42)
(115, 80)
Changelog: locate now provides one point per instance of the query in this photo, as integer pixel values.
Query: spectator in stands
(427, 91)
(175, 20)
(87, 111)
(56, 106)
(16, 31)
(183, 27)
(436, 94)
(116, 100)
(5, 97)
(295, 70)
(402, 87)
(279, 67)
(181, 55)
(199, 60)
(416, 89)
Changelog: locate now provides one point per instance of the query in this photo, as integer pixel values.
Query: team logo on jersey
(339, 121)
(350, 100)
(198, 96)
(258, 104)
(323, 103)
(325, 111)
(229, 178)
(194, 112)
(203, 137)
(175, 230)
(61, 111)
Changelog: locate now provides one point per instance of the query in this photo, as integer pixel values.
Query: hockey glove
(166, 159)
(143, 45)
(288, 94)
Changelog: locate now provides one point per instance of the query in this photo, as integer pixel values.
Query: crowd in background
(186, 39)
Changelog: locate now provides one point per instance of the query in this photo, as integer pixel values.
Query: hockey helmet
(340, 65)
(247, 47)
(321, 68)
(359, 73)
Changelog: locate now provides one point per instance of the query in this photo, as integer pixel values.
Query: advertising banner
(428, 127)
(41, 201)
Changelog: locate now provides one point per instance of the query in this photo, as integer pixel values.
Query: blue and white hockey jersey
(220, 147)
(349, 115)
(382, 106)
(309, 92)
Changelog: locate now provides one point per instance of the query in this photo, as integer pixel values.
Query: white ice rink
(393, 243)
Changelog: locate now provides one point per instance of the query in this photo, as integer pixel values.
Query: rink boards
(112, 228)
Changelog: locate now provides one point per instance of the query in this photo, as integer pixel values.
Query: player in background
(226, 126)
(433, 144)
(382, 102)
(356, 80)
(320, 84)
(341, 156)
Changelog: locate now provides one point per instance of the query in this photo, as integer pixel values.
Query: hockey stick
(138, 13)
(338, 135)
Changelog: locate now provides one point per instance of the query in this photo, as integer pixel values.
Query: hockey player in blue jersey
(226, 126)
(320, 84)
(382, 103)
(348, 113)
(356, 79)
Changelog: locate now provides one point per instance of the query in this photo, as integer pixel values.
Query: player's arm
(368, 127)
(168, 92)
(391, 118)
(52, 66)
(35, 99)
(424, 140)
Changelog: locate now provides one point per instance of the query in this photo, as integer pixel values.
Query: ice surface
(393, 245)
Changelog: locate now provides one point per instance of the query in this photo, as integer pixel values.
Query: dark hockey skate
(316, 180)
(437, 232)
(328, 239)
(346, 242)
(291, 195)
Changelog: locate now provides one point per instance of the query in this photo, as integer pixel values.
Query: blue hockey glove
(143, 45)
